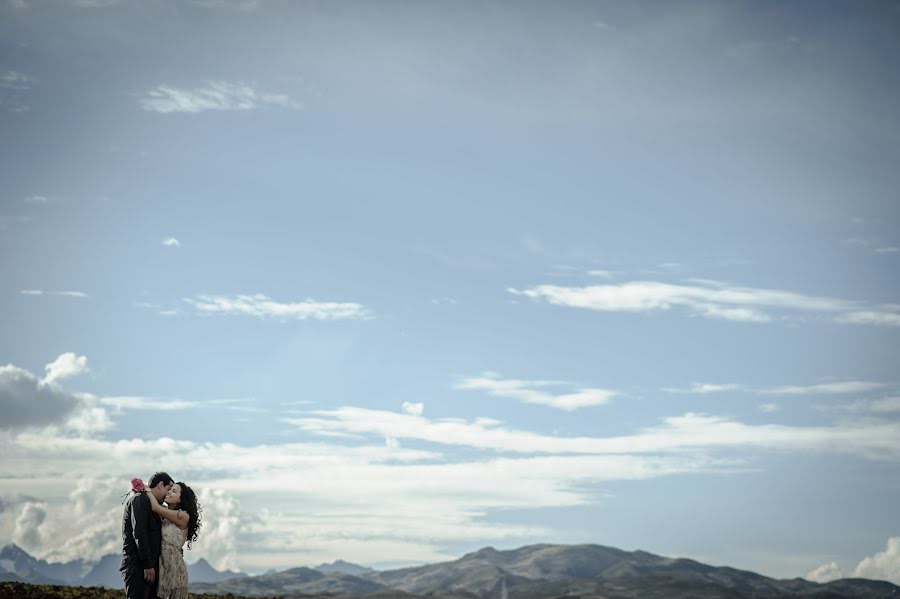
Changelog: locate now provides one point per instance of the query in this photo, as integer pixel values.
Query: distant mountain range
(544, 571)
(16, 565)
(532, 572)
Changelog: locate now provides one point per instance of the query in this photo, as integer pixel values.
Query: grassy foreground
(21, 590)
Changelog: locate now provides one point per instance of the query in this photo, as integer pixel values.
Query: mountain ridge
(540, 571)
(560, 571)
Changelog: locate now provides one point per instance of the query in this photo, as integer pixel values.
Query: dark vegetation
(21, 590)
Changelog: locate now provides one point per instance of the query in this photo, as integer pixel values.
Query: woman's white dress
(173, 579)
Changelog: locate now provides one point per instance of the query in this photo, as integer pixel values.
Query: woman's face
(174, 495)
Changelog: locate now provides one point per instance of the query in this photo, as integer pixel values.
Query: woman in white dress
(181, 522)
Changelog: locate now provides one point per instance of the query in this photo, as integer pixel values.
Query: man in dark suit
(142, 539)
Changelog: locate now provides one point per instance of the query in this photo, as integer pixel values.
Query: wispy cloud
(691, 431)
(170, 242)
(165, 404)
(444, 300)
(261, 306)
(13, 88)
(137, 402)
(829, 388)
(532, 391)
(887, 316)
(96, 3)
(14, 80)
(873, 244)
(704, 388)
(882, 405)
(216, 95)
(36, 199)
(158, 308)
(79, 294)
(708, 299)
(832, 388)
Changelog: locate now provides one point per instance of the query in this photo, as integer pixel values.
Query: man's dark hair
(160, 477)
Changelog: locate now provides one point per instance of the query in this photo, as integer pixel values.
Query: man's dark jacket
(141, 534)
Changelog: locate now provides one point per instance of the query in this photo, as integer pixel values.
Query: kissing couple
(159, 519)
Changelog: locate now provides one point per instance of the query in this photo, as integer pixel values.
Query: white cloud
(825, 573)
(882, 566)
(222, 523)
(831, 388)
(216, 95)
(414, 409)
(768, 408)
(170, 242)
(97, 531)
(134, 402)
(36, 199)
(163, 404)
(78, 294)
(704, 388)
(66, 365)
(835, 388)
(528, 392)
(267, 504)
(605, 274)
(888, 317)
(691, 431)
(31, 532)
(444, 300)
(262, 306)
(271, 503)
(708, 299)
(887, 249)
(158, 308)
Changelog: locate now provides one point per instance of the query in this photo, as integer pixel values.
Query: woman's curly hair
(190, 504)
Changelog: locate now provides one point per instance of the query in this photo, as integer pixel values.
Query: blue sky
(392, 282)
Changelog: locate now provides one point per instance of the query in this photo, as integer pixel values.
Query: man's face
(160, 490)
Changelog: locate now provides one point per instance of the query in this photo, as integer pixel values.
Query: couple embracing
(159, 519)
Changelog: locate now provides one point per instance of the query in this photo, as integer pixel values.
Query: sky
(391, 282)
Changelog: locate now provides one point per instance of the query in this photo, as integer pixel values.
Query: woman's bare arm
(179, 518)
